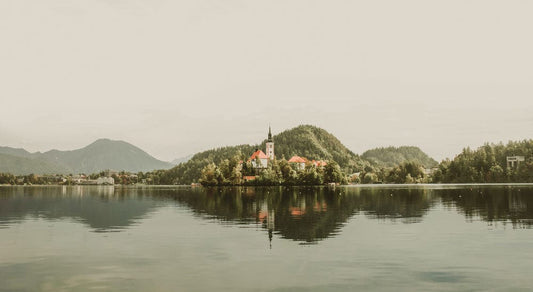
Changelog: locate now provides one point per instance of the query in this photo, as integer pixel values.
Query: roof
(297, 159)
(258, 154)
(319, 163)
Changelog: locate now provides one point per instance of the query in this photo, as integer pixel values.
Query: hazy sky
(177, 77)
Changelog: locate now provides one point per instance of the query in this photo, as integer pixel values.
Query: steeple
(270, 144)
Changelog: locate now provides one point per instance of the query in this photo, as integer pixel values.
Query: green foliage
(407, 172)
(394, 156)
(488, 164)
(278, 172)
(333, 173)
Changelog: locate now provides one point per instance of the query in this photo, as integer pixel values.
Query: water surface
(377, 238)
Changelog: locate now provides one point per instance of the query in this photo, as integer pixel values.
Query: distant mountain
(18, 165)
(15, 152)
(393, 156)
(182, 159)
(307, 141)
(100, 155)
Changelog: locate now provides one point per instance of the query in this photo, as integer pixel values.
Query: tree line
(234, 171)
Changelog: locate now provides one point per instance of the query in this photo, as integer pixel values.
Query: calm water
(378, 238)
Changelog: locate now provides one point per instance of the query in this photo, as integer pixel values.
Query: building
(514, 161)
(259, 159)
(298, 161)
(319, 163)
(270, 145)
(105, 181)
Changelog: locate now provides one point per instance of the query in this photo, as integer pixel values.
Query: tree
(333, 173)
(208, 176)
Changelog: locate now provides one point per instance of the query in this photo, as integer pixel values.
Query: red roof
(319, 163)
(258, 154)
(297, 159)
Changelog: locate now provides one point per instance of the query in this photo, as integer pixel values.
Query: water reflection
(306, 215)
(506, 204)
(102, 208)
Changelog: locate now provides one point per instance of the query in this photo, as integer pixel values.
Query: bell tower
(270, 145)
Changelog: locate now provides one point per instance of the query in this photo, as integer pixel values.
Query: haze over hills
(392, 156)
(182, 159)
(100, 155)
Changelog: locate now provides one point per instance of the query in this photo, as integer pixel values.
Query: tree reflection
(504, 204)
(304, 214)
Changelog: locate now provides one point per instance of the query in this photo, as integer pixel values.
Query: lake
(353, 238)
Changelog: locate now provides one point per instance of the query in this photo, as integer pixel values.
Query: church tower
(270, 145)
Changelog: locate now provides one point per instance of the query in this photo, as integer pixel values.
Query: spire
(269, 134)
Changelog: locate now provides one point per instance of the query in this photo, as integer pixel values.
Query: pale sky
(178, 77)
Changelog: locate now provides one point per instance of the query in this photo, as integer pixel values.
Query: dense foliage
(278, 172)
(406, 172)
(488, 164)
(394, 156)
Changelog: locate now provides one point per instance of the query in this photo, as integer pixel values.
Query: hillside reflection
(306, 215)
(103, 208)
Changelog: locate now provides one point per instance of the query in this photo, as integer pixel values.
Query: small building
(259, 159)
(105, 181)
(298, 161)
(319, 163)
(248, 178)
(514, 161)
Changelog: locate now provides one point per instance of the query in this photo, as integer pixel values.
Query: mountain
(15, 152)
(181, 159)
(393, 156)
(100, 155)
(18, 165)
(307, 141)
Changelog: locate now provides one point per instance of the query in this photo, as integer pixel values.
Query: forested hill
(308, 141)
(393, 156)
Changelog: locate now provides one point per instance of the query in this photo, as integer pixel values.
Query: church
(259, 159)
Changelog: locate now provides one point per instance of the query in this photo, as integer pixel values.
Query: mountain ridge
(392, 156)
(100, 155)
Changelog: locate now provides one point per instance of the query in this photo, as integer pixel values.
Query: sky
(178, 77)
